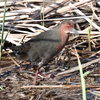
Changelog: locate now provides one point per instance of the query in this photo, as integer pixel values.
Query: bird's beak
(73, 30)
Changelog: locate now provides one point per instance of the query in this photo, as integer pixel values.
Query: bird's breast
(64, 40)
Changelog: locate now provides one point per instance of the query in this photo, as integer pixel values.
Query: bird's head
(67, 27)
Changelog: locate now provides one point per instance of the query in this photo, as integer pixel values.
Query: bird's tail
(20, 55)
(15, 48)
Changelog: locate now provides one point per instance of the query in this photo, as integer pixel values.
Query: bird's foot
(47, 76)
(38, 73)
(51, 76)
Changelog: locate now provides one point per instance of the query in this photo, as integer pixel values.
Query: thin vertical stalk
(43, 11)
(89, 31)
(2, 44)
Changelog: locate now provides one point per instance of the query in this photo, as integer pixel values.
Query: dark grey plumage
(46, 45)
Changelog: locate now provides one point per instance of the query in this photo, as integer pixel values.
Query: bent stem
(82, 77)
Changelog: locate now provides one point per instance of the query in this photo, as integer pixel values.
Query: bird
(41, 48)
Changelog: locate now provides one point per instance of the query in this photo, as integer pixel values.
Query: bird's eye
(68, 26)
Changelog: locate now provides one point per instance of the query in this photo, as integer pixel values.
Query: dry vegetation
(25, 17)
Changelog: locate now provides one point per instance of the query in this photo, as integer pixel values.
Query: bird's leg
(37, 72)
(46, 76)
(36, 77)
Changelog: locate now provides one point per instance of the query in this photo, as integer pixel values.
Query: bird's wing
(43, 46)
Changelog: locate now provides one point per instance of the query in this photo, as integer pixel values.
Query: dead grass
(26, 19)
